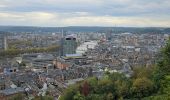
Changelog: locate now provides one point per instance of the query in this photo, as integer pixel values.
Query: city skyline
(59, 13)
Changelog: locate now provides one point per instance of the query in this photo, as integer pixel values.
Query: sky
(59, 13)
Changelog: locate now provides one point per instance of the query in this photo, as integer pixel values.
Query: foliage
(13, 44)
(164, 91)
(110, 96)
(78, 96)
(165, 61)
(14, 51)
(85, 88)
(43, 98)
(140, 72)
(70, 92)
(17, 97)
(142, 87)
(115, 86)
(96, 97)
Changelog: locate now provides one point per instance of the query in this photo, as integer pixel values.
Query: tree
(17, 97)
(110, 96)
(157, 76)
(105, 86)
(164, 92)
(78, 96)
(43, 98)
(142, 87)
(121, 83)
(165, 67)
(93, 81)
(96, 97)
(117, 76)
(140, 72)
(122, 88)
(85, 89)
(70, 92)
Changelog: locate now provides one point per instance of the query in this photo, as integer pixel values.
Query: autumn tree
(85, 89)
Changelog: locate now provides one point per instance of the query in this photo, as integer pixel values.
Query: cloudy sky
(140, 13)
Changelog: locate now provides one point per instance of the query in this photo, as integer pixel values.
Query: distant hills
(84, 29)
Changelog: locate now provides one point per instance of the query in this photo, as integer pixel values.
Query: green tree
(165, 61)
(110, 96)
(96, 97)
(164, 92)
(140, 72)
(43, 98)
(122, 88)
(105, 86)
(78, 96)
(18, 97)
(93, 82)
(142, 87)
(121, 83)
(70, 92)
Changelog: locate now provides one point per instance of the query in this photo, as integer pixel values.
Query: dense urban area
(84, 63)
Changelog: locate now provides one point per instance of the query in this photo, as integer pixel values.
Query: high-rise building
(3, 41)
(63, 33)
(109, 35)
(69, 45)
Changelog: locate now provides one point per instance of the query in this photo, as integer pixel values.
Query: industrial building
(85, 46)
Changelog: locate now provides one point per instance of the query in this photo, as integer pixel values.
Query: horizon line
(85, 26)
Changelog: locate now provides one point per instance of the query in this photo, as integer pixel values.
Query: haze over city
(56, 13)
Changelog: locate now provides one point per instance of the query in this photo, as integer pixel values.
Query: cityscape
(102, 51)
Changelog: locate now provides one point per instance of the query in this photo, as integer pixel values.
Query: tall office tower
(69, 45)
(109, 35)
(62, 42)
(3, 41)
(61, 47)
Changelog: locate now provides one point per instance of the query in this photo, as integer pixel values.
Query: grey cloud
(67, 10)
